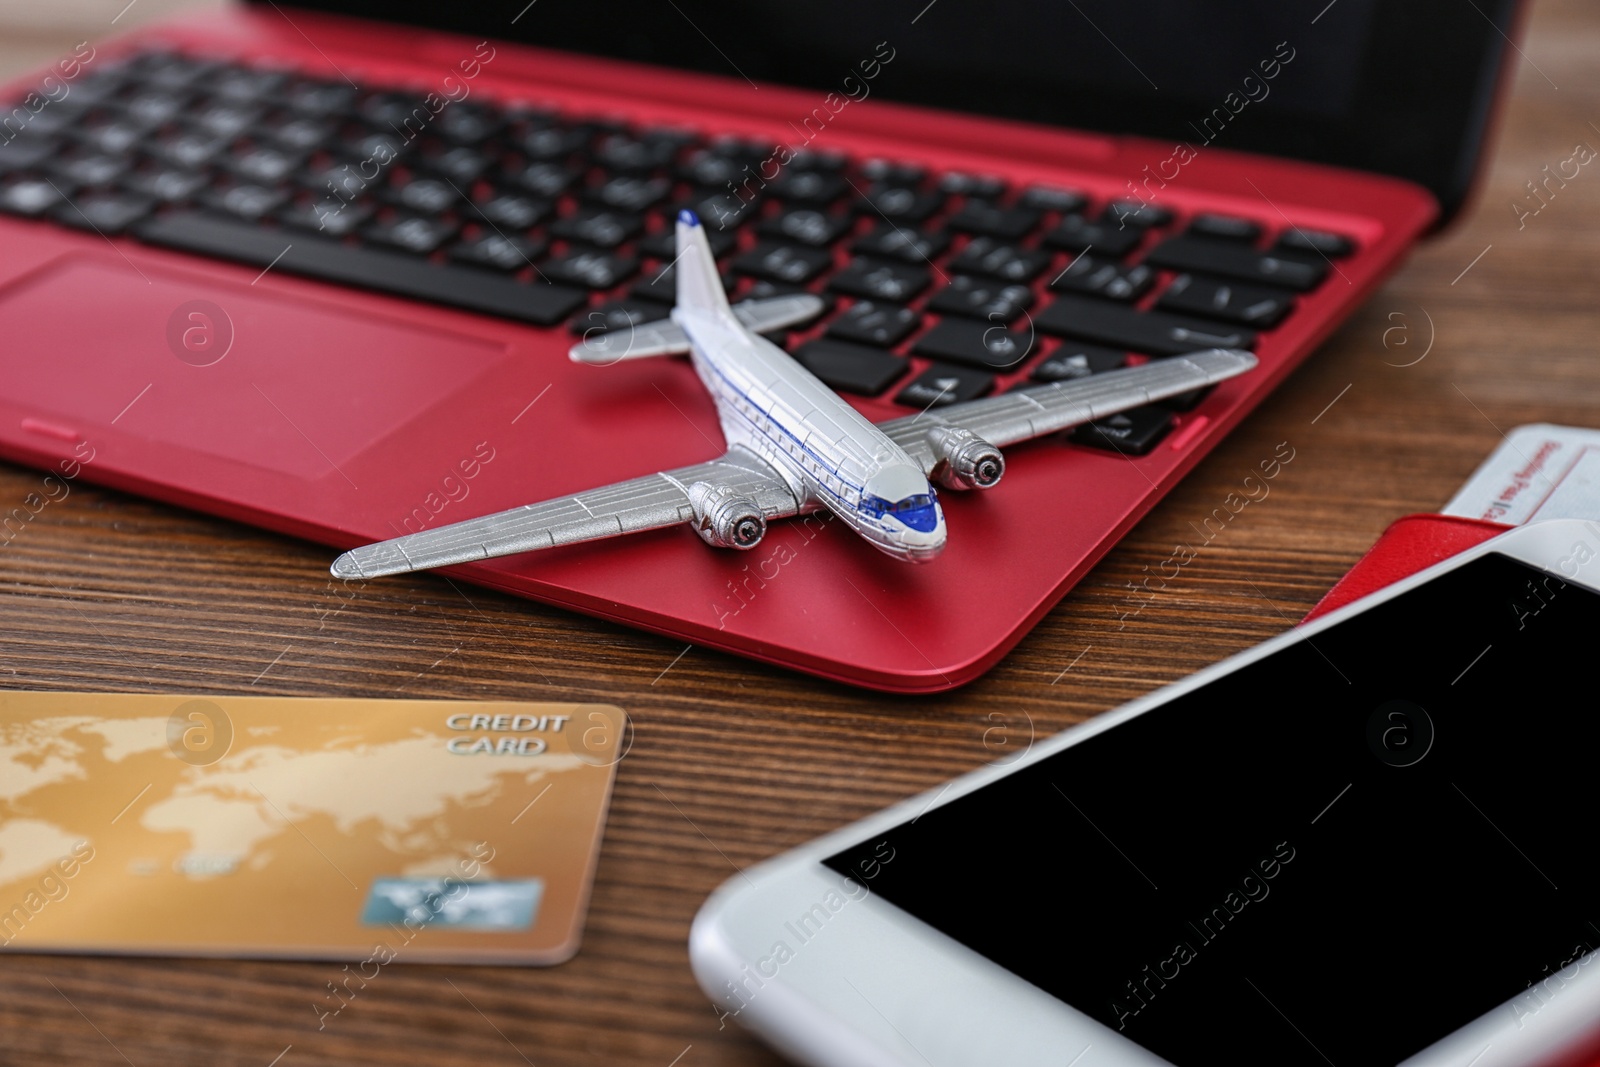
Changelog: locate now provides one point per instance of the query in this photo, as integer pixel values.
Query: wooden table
(734, 761)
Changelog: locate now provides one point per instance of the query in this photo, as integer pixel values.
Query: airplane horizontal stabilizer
(666, 338)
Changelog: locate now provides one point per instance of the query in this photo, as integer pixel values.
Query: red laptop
(317, 268)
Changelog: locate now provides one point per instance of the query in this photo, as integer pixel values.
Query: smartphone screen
(1338, 854)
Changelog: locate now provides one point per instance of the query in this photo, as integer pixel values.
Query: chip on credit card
(427, 830)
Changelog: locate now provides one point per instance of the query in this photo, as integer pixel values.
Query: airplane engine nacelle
(724, 519)
(964, 460)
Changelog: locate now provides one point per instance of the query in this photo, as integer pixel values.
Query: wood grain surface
(734, 761)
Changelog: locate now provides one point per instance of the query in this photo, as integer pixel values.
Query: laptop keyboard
(940, 287)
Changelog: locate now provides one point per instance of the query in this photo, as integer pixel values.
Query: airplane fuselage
(829, 453)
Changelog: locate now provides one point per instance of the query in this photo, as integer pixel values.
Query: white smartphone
(1370, 840)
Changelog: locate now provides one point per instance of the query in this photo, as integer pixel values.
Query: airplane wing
(1041, 409)
(665, 338)
(647, 503)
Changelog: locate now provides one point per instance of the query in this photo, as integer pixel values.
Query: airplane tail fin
(699, 287)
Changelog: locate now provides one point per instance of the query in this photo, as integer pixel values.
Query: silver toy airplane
(794, 445)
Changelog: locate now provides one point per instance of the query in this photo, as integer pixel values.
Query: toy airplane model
(794, 445)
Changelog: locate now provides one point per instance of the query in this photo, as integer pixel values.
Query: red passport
(1409, 545)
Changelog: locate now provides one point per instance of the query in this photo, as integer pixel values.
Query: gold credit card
(418, 830)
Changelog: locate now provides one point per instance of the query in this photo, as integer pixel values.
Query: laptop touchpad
(233, 371)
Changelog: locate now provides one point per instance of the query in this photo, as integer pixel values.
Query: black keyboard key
(367, 268)
(680, 137)
(244, 83)
(744, 149)
(153, 107)
(596, 270)
(872, 323)
(981, 298)
(722, 211)
(1154, 332)
(336, 179)
(1184, 401)
(1075, 359)
(660, 283)
(510, 210)
(326, 98)
(459, 164)
(26, 153)
(31, 197)
(1231, 260)
(425, 196)
(783, 263)
(101, 87)
(391, 110)
(1052, 198)
(551, 144)
(907, 175)
(631, 193)
(1077, 234)
(167, 70)
(466, 123)
(381, 147)
(905, 243)
(851, 368)
(599, 227)
(877, 279)
(985, 255)
(806, 226)
(712, 170)
(1103, 277)
(226, 120)
(113, 136)
(1132, 433)
(412, 233)
(167, 184)
(943, 384)
(899, 203)
(265, 165)
(104, 213)
(96, 169)
(543, 179)
(1248, 305)
(761, 288)
(251, 202)
(331, 217)
(494, 251)
(1139, 214)
(1317, 242)
(807, 186)
(1225, 228)
(664, 244)
(299, 133)
(59, 120)
(1008, 223)
(980, 186)
(975, 344)
(633, 155)
(617, 315)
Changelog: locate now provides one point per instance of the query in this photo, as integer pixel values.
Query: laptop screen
(1403, 89)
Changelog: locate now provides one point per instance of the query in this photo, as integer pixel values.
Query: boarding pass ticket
(1539, 472)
